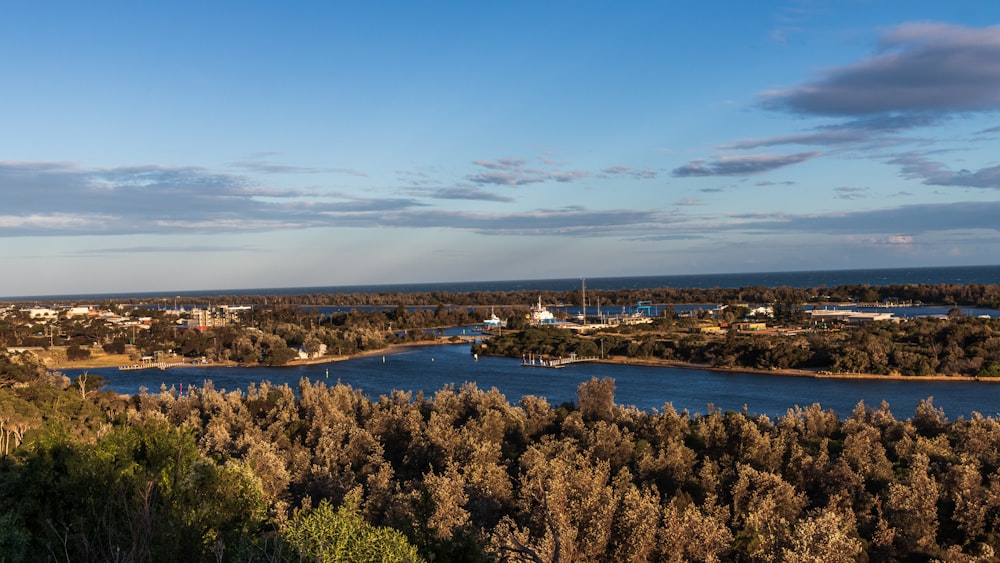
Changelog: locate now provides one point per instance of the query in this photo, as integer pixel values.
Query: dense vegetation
(924, 346)
(274, 331)
(321, 472)
(266, 336)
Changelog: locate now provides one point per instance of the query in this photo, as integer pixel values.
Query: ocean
(827, 278)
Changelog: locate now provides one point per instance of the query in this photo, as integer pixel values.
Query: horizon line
(418, 287)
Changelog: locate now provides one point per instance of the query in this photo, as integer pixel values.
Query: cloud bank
(921, 68)
(61, 199)
(915, 166)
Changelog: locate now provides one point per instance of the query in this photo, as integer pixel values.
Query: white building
(846, 315)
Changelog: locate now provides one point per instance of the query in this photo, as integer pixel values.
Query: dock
(537, 361)
(151, 365)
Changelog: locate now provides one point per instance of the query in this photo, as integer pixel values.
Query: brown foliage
(466, 474)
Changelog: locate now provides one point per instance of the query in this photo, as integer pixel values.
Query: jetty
(151, 365)
(539, 361)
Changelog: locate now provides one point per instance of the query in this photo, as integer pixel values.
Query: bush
(116, 347)
(992, 370)
(326, 534)
(75, 353)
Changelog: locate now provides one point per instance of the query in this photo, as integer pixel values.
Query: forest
(323, 473)
(959, 346)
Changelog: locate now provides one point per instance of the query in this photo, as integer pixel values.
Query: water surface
(430, 368)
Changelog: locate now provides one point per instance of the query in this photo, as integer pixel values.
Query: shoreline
(108, 361)
(113, 361)
(814, 374)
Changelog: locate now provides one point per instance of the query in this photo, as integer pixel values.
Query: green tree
(327, 534)
(14, 539)
(87, 383)
(275, 351)
(74, 353)
(141, 493)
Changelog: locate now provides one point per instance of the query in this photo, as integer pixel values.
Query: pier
(537, 361)
(151, 365)
(883, 304)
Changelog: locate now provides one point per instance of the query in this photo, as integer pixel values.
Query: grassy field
(56, 359)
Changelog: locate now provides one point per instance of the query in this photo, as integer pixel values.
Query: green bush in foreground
(326, 534)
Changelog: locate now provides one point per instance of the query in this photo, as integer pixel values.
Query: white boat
(493, 322)
(540, 315)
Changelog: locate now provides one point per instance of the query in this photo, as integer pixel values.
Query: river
(430, 368)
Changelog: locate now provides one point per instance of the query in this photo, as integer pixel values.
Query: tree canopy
(321, 472)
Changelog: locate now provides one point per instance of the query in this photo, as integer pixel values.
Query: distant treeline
(265, 335)
(465, 475)
(272, 335)
(924, 346)
(968, 295)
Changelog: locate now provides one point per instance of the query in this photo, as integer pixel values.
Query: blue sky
(212, 145)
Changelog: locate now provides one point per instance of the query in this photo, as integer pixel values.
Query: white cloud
(58, 222)
(515, 172)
